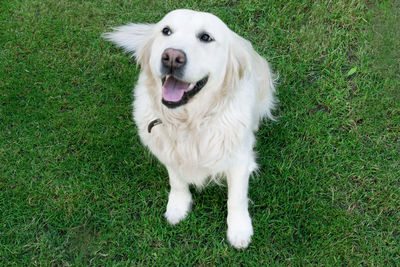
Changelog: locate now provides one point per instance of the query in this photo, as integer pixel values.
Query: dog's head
(186, 52)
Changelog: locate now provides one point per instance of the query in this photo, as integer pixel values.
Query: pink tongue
(174, 89)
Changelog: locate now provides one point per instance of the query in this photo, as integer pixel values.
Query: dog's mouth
(176, 92)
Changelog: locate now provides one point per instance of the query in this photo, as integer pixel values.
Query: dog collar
(152, 124)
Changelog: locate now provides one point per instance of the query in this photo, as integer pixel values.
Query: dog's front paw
(178, 207)
(240, 231)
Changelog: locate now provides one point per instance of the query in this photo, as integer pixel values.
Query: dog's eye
(167, 31)
(205, 37)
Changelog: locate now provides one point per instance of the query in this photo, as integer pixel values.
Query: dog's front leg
(179, 199)
(240, 228)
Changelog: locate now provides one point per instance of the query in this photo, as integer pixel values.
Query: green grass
(77, 187)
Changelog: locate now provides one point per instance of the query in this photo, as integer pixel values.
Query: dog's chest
(206, 147)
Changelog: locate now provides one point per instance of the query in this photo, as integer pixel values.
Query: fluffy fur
(213, 134)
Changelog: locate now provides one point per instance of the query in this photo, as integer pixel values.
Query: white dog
(201, 93)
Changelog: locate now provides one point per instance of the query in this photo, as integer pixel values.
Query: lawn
(78, 188)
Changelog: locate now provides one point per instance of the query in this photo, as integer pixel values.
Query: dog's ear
(244, 60)
(238, 62)
(132, 37)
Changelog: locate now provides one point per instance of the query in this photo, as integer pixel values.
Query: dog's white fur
(213, 134)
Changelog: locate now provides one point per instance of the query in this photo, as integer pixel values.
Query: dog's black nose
(173, 59)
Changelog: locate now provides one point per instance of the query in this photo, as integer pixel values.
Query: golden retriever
(201, 94)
